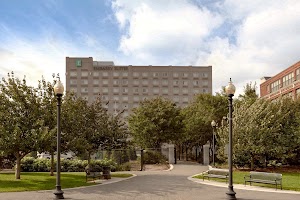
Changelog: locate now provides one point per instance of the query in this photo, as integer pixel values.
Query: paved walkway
(156, 185)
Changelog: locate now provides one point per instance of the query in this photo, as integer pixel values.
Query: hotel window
(96, 90)
(195, 83)
(116, 74)
(205, 90)
(165, 74)
(195, 75)
(185, 75)
(176, 83)
(105, 82)
(136, 83)
(95, 74)
(85, 98)
(185, 91)
(196, 91)
(136, 98)
(155, 74)
(205, 83)
(155, 82)
(125, 90)
(125, 98)
(104, 98)
(84, 74)
(135, 74)
(185, 99)
(175, 75)
(73, 82)
(144, 74)
(125, 82)
(116, 82)
(205, 75)
(84, 90)
(145, 90)
(105, 74)
(84, 82)
(176, 99)
(288, 79)
(105, 90)
(176, 91)
(116, 90)
(298, 74)
(165, 91)
(145, 82)
(96, 82)
(136, 90)
(185, 83)
(116, 98)
(155, 91)
(165, 82)
(125, 74)
(72, 74)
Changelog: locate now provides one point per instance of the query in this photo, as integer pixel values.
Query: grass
(31, 181)
(290, 180)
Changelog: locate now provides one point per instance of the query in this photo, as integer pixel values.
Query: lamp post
(230, 90)
(58, 90)
(213, 124)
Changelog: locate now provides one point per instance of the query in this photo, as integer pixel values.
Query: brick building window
(298, 74)
(275, 86)
(288, 79)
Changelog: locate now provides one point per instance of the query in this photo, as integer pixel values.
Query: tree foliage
(154, 122)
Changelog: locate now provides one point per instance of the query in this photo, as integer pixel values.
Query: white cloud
(263, 39)
(167, 29)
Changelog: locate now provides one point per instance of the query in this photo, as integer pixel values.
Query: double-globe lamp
(230, 90)
(58, 90)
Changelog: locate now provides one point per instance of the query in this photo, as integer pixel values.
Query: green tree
(20, 121)
(154, 122)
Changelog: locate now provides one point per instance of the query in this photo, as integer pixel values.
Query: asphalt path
(155, 185)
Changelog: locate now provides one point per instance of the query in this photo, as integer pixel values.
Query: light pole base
(231, 193)
(59, 194)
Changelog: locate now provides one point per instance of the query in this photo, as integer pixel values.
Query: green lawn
(290, 180)
(43, 181)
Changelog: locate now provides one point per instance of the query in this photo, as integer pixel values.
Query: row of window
(138, 74)
(116, 99)
(141, 90)
(286, 80)
(138, 82)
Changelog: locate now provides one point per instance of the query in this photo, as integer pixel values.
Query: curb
(240, 186)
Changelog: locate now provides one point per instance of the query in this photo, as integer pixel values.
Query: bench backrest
(265, 176)
(218, 171)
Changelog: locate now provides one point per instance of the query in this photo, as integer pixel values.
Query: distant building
(285, 83)
(123, 87)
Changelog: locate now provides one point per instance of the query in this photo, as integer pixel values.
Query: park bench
(92, 175)
(264, 177)
(216, 173)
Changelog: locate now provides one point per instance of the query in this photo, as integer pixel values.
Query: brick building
(285, 83)
(123, 87)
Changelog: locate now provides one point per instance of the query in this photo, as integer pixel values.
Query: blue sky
(241, 39)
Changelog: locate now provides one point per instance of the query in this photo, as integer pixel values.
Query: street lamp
(58, 90)
(230, 90)
(213, 124)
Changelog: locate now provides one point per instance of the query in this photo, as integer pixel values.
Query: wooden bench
(264, 177)
(92, 175)
(216, 173)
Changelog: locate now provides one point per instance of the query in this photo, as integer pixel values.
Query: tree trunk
(52, 164)
(18, 166)
(252, 163)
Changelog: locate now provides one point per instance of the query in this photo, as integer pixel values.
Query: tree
(199, 115)
(249, 93)
(20, 121)
(154, 122)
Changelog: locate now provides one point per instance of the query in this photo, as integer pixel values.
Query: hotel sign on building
(123, 87)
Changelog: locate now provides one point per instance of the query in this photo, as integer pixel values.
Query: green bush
(154, 157)
(30, 164)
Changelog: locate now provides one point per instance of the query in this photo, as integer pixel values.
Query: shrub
(154, 157)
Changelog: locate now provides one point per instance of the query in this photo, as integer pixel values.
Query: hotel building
(285, 83)
(122, 87)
